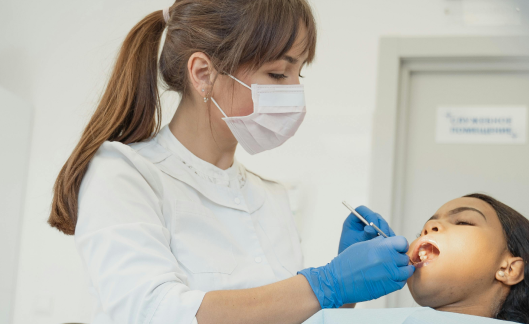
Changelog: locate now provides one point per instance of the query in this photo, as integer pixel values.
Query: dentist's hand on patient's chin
(354, 231)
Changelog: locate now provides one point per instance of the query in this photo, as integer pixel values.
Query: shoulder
(117, 167)
(119, 186)
(115, 158)
(271, 185)
(118, 158)
(267, 180)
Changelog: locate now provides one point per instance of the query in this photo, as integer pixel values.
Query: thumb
(352, 222)
(399, 243)
(403, 273)
(370, 231)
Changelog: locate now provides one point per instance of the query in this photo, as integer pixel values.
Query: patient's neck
(477, 310)
(485, 304)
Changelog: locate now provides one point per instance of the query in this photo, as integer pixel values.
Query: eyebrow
(290, 59)
(457, 211)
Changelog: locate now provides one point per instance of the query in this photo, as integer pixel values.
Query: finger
(403, 273)
(370, 215)
(399, 243)
(367, 213)
(401, 259)
(384, 226)
(375, 218)
(370, 231)
(352, 222)
(401, 284)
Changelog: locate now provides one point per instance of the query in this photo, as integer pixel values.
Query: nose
(431, 227)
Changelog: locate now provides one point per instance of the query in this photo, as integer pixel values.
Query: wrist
(324, 286)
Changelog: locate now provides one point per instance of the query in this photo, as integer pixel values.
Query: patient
(471, 258)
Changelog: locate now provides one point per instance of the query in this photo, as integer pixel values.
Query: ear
(201, 73)
(511, 271)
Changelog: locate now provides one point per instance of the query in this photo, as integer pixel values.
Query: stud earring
(205, 99)
(203, 90)
(501, 273)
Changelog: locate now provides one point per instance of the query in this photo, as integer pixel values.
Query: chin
(430, 291)
(422, 298)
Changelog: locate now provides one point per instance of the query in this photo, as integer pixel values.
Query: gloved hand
(354, 231)
(364, 271)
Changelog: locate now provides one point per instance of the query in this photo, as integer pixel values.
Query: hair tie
(166, 15)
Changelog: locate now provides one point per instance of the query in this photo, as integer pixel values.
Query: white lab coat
(158, 228)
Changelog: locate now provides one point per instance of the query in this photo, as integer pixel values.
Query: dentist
(171, 228)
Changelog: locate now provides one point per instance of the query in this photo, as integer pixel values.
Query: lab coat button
(258, 260)
(237, 200)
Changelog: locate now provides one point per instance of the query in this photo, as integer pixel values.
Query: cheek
(463, 266)
(245, 106)
(234, 99)
(242, 103)
(472, 253)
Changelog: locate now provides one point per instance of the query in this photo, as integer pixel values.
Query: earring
(203, 90)
(205, 99)
(501, 273)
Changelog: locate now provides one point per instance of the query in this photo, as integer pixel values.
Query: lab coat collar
(201, 167)
(168, 156)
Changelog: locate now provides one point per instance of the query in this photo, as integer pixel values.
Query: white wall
(57, 54)
(15, 132)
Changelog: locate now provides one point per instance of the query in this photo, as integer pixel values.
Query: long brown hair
(233, 33)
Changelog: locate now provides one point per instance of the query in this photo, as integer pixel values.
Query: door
(432, 173)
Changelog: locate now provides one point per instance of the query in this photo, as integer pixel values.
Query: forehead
(478, 204)
(299, 49)
(490, 214)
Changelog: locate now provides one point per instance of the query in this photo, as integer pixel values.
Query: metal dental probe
(363, 219)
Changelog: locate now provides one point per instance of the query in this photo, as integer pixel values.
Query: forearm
(288, 301)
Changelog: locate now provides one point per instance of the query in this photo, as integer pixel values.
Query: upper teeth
(422, 254)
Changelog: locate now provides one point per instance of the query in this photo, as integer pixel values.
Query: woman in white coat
(170, 227)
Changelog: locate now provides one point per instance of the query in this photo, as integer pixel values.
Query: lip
(423, 240)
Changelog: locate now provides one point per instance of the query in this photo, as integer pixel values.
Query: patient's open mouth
(424, 252)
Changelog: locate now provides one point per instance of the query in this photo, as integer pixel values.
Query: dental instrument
(364, 220)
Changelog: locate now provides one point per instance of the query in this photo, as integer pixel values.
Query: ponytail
(233, 33)
(128, 112)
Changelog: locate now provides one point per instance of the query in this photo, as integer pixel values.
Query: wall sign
(481, 124)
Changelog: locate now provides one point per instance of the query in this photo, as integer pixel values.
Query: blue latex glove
(354, 231)
(364, 271)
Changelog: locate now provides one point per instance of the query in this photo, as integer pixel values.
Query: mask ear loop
(234, 78)
(216, 104)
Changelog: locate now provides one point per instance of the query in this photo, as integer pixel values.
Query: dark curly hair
(516, 230)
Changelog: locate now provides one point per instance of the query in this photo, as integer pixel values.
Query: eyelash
(457, 223)
(464, 222)
(280, 76)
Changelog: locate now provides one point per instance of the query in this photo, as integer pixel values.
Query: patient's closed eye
(464, 223)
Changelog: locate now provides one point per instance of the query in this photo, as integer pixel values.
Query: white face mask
(278, 111)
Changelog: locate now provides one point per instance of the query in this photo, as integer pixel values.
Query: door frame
(399, 57)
